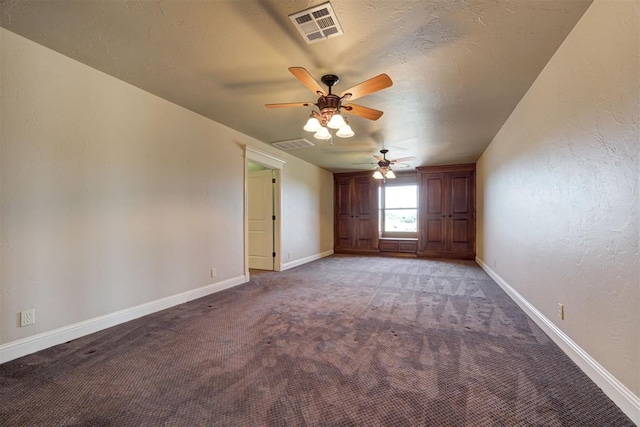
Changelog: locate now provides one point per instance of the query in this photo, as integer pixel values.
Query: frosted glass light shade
(313, 125)
(377, 175)
(336, 122)
(345, 132)
(390, 174)
(323, 133)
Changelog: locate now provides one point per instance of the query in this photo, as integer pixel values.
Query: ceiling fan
(383, 169)
(330, 105)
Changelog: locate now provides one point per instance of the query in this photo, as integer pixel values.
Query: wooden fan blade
(307, 80)
(401, 165)
(370, 86)
(289, 104)
(359, 110)
(403, 159)
(380, 158)
(365, 163)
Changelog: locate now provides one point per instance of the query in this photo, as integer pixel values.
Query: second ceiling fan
(331, 105)
(383, 165)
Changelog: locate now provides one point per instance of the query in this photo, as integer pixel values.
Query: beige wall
(558, 207)
(112, 197)
(312, 232)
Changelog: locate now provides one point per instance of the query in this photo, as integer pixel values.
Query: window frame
(401, 180)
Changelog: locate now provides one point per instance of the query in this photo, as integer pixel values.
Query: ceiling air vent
(317, 23)
(293, 144)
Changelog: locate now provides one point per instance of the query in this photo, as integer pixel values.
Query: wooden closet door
(460, 219)
(356, 215)
(363, 209)
(433, 212)
(343, 227)
(447, 211)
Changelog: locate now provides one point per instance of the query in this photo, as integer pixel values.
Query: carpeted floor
(342, 341)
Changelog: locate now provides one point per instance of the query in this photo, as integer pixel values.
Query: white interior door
(260, 216)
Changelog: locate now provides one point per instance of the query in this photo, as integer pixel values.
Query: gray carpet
(343, 341)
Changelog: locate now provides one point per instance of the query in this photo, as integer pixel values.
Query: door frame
(253, 155)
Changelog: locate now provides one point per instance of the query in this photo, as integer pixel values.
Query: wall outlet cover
(27, 317)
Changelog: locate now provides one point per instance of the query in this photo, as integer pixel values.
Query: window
(399, 209)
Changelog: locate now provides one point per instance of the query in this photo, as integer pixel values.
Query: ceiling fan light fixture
(345, 132)
(322, 133)
(336, 122)
(378, 175)
(329, 104)
(390, 174)
(313, 125)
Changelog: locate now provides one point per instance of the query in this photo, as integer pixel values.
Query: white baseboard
(288, 265)
(627, 401)
(22, 347)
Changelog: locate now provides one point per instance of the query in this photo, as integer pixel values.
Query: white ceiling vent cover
(293, 144)
(317, 23)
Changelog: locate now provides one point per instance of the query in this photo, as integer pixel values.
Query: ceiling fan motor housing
(328, 103)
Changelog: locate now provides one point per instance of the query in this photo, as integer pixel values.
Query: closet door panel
(447, 211)
(355, 213)
(432, 212)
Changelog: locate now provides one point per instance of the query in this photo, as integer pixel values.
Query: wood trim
(358, 174)
(398, 246)
(446, 254)
(399, 254)
(409, 247)
(410, 239)
(447, 168)
(402, 178)
(356, 251)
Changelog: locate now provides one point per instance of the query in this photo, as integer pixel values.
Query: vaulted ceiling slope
(459, 67)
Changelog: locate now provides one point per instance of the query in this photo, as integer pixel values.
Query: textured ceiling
(459, 67)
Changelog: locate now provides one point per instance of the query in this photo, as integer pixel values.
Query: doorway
(260, 252)
(260, 216)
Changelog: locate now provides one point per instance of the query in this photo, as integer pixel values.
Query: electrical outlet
(561, 311)
(214, 272)
(28, 317)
